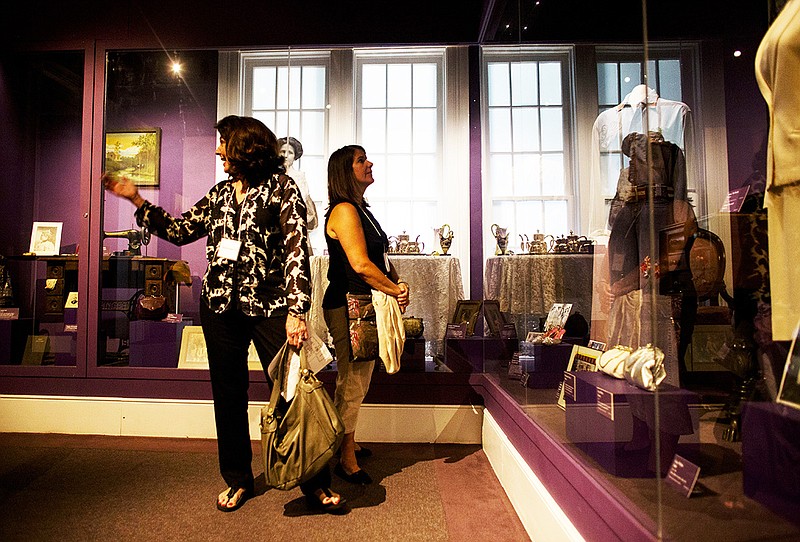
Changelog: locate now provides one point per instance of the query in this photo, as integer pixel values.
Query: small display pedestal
(545, 364)
(770, 455)
(614, 422)
(155, 343)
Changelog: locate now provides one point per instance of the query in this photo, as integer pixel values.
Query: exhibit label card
(9, 313)
(605, 403)
(456, 331)
(569, 386)
(683, 475)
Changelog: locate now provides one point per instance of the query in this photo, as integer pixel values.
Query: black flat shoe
(337, 509)
(239, 502)
(362, 452)
(359, 477)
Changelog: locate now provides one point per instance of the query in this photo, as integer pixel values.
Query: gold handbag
(612, 361)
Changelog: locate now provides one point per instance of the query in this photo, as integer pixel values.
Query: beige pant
(352, 382)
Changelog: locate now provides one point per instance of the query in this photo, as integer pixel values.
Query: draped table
(435, 283)
(527, 285)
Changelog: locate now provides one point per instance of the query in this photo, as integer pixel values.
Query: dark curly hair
(250, 148)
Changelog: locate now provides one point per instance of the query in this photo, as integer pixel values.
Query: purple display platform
(155, 343)
(545, 364)
(478, 354)
(770, 455)
(614, 422)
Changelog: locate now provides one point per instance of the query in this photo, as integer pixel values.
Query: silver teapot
(574, 242)
(541, 243)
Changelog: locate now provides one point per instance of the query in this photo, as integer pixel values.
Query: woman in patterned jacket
(256, 287)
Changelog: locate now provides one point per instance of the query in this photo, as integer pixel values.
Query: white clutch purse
(612, 361)
(644, 368)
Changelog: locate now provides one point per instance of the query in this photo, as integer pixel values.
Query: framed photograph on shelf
(46, 238)
(494, 318)
(467, 313)
(135, 155)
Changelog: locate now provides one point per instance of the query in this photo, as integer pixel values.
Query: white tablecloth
(526, 286)
(435, 283)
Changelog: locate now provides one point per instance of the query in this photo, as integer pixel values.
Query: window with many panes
(529, 184)
(399, 104)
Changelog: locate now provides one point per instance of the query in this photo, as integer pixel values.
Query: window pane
(294, 86)
(398, 137)
(527, 175)
(373, 85)
(425, 132)
(501, 174)
(264, 88)
(529, 219)
(374, 130)
(524, 83)
(499, 130)
(267, 117)
(282, 89)
(550, 78)
(499, 89)
(424, 217)
(556, 217)
(553, 181)
(313, 131)
(398, 170)
(395, 219)
(399, 85)
(425, 85)
(630, 76)
(425, 182)
(526, 129)
(552, 129)
(669, 73)
(314, 87)
(607, 84)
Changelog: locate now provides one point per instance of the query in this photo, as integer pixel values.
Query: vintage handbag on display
(298, 440)
(363, 327)
(644, 368)
(150, 307)
(612, 361)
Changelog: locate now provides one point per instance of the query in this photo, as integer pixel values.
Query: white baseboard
(541, 516)
(195, 419)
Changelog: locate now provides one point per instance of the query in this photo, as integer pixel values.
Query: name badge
(229, 249)
(386, 260)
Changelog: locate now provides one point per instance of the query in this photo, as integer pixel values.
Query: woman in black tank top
(358, 264)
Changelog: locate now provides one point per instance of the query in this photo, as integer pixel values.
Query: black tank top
(341, 276)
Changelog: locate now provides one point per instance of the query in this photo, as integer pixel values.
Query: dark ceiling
(203, 23)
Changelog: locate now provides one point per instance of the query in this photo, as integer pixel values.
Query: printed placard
(605, 403)
(9, 313)
(682, 475)
(569, 386)
(456, 331)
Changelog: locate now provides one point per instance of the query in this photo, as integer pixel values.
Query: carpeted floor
(69, 487)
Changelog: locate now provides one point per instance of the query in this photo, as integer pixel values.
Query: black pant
(228, 336)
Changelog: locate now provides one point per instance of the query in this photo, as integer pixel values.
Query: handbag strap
(278, 381)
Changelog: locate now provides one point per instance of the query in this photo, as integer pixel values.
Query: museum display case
(605, 182)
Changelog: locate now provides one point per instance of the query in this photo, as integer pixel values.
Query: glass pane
(314, 95)
(526, 129)
(501, 175)
(373, 131)
(500, 130)
(607, 80)
(426, 87)
(373, 85)
(524, 83)
(425, 130)
(397, 174)
(398, 135)
(185, 150)
(313, 140)
(499, 84)
(552, 129)
(553, 181)
(282, 88)
(41, 111)
(264, 84)
(426, 176)
(527, 175)
(669, 79)
(630, 76)
(398, 85)
(294, 89)
(529, 219)
(556, 217)
(550, 80)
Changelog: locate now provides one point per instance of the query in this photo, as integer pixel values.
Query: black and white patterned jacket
(273, 272)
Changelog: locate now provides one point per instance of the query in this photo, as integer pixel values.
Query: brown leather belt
(659, 191)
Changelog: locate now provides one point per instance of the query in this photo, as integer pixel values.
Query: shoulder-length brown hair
(342, 181)
(250, 148)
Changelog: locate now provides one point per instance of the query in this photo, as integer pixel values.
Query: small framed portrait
(135, 155)
(494, 318)
(467, 313)
(46, 238)
(193, 353)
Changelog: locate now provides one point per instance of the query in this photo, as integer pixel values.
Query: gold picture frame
(467, 312)
(193, 353)
(135, 154)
